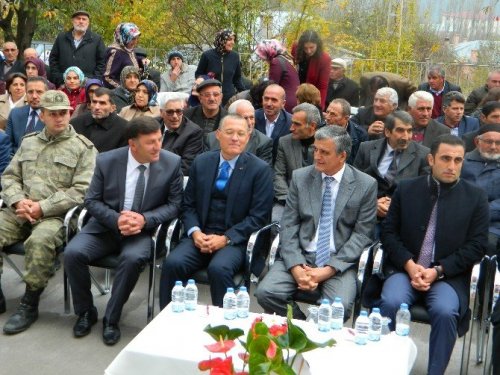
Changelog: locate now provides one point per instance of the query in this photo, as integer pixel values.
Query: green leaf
(283, 369)
(223, 331)
(258, 364)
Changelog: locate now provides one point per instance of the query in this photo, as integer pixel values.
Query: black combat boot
(3, 307)
(26, 313)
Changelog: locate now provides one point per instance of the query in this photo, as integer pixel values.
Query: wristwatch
(228, 241)
(440, 273)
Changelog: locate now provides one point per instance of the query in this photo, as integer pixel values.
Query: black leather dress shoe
(110, 333)
(85, 322)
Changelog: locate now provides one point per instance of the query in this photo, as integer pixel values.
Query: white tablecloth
(173, 343)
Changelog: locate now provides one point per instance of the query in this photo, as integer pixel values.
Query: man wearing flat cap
(78, 47)
(209, 113)
(48, 175)
(179, 76)
(339, 86)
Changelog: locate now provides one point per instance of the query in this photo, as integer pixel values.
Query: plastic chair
(495, 294)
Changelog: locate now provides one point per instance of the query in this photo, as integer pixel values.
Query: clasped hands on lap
(208, 243)
(130, 223)
(29, 210)
(308, 277)
(421, 278)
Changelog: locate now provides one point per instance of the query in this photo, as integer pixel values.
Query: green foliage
(223, 332)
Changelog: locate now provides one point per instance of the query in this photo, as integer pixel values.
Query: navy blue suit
(248, 208)
(101, 236)
(4, 151)
(467, 124)
(281, 127)
(16, 126)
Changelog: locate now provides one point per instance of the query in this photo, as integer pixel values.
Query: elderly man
(437, 86)
(11, 64)
(180, 135)
(490, 114)
(431, 241)
(259, 144)
(478, 94)
(78, 47)
(329, 218)
(339, 86)
(372, 117)
(102, 125)
(453, 115)
(272, 119)
(393, 158)
(179, 76)
(209, 113)
(228, 196)
(426, 129)
(49, 174)
(339, 113)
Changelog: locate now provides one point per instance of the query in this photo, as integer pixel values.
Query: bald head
(30, 53)
(245, 109)
(273, 101)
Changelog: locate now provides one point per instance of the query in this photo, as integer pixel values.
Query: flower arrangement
(267, 349)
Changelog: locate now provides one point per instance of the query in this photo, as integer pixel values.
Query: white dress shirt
(133, 173)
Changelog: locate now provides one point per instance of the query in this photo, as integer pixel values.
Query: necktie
(393, 168)
(325, 225)
(223, 177)
(139, 189)
(31, 125)
(425, 257)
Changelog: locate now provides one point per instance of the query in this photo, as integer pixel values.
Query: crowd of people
(416, 168)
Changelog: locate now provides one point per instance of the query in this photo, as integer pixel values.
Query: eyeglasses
(490, 142)
(209, 94)
(171, 112)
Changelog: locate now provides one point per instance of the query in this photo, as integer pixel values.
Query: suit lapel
(315, 192)
(154, 172)
(237, 177)
(278, 125)
(407, 157)
(375, 154)
(297, 153)
(121, 176)
(209, 175)
(344, 193)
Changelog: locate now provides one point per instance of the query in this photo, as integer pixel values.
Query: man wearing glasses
(180, 135)
(11, 64)
(209, 113)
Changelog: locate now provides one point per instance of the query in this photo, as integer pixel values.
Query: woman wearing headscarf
(121, 53)
(91, 84)
(144, 104)
(73, 86)
(124, 94)
(313, 63)
(281, 69)
(35, 67)
(15, 96)
(223, 63)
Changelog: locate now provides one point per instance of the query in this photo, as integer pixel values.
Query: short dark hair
(453, 96)
(100, 91)
(447, 139)
(404, 117)
(344, 104)
(10, 79)
(490, 107)
(38, 79)
(142, 125)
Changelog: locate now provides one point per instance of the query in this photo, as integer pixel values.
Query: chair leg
(151, 291)
(66, 294)
(13, 265)
(107, 281)
(97, 284)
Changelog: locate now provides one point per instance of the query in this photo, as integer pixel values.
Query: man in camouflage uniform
(48, 175)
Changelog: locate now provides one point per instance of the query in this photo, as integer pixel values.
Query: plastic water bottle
(375, 328)
(229, 304)
(337, 321)
(403, 319)
(324, 315)
(178, 297)
(190, 296)
(361, 327)
(243, 302)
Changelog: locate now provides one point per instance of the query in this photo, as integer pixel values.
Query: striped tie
(325, 225)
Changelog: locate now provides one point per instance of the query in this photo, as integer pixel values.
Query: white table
(173, 343)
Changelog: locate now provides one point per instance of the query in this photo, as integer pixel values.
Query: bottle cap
(404, 306)
(376, 310)
(178, 282)
(338, 299)
(325, 301)
(363, 313)
(190, 281)
(243, 288)
(230, 290)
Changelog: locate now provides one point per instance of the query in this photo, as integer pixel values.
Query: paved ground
(48, 347)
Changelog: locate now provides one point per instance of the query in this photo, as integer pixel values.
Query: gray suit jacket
(432, 131)
(259, 144)
(288, 159)
(353, 221)
(412, 163)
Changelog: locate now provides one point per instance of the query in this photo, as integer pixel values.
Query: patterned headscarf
(77, 71)
(268, 49)
(152, 91)
(221, 38)
(40, 66)
(125, 33)
(129, 69)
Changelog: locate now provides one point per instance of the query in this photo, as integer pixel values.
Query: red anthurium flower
(271, 350)
(217, 366)
(278, 329)
(221, 346)
(257, 320)
(244, 356)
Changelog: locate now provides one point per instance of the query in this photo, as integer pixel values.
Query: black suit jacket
(249, 198)
(17, 67)
(186, 141)
(105, 198)
(281, 127)
(107, 135)
(346, 89)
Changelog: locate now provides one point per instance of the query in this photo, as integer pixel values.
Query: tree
(20, 15)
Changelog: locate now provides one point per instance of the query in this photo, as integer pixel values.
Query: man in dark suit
(426, 129)
(329, 218)
(272, 120)
(453, 115)
(431, 241)
(180, 135)
(102, 125)
(11, 64)
(228, 196)
(490, 114)
(259, 144)
(437, 86)
(393, 158)
(26, 119)
(339, 86)
(134, 189)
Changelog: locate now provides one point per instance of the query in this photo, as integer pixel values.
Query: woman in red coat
(313, 63)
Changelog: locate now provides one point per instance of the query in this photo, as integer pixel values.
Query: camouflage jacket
(54, 171)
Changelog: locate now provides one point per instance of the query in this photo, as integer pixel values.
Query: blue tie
(31, 125)
(223, 177)
(325, 225)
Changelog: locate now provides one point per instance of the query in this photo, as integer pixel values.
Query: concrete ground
(49, 348)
